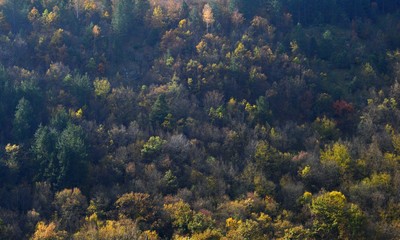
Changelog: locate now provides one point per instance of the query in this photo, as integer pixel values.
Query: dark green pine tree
(44, 150)
(72, 156)
(121, 17)
(61, 157)
(263, 113)
(159, 110)
(22, 125)
(184, 10)
(194, 18)
(140, 9)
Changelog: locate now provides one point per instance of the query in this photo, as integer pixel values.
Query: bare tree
(78, 6)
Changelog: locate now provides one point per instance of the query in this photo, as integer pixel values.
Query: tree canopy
(207, 119)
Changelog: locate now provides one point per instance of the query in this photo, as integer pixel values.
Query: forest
(199, 119)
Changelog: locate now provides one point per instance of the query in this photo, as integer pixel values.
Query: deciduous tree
(208, 16)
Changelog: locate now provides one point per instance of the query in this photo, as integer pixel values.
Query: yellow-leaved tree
(208, 16)
(48, 231)
(337, 154)
(335, 218)
(101, 87)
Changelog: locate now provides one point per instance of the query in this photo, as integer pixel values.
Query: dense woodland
(220, 119)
